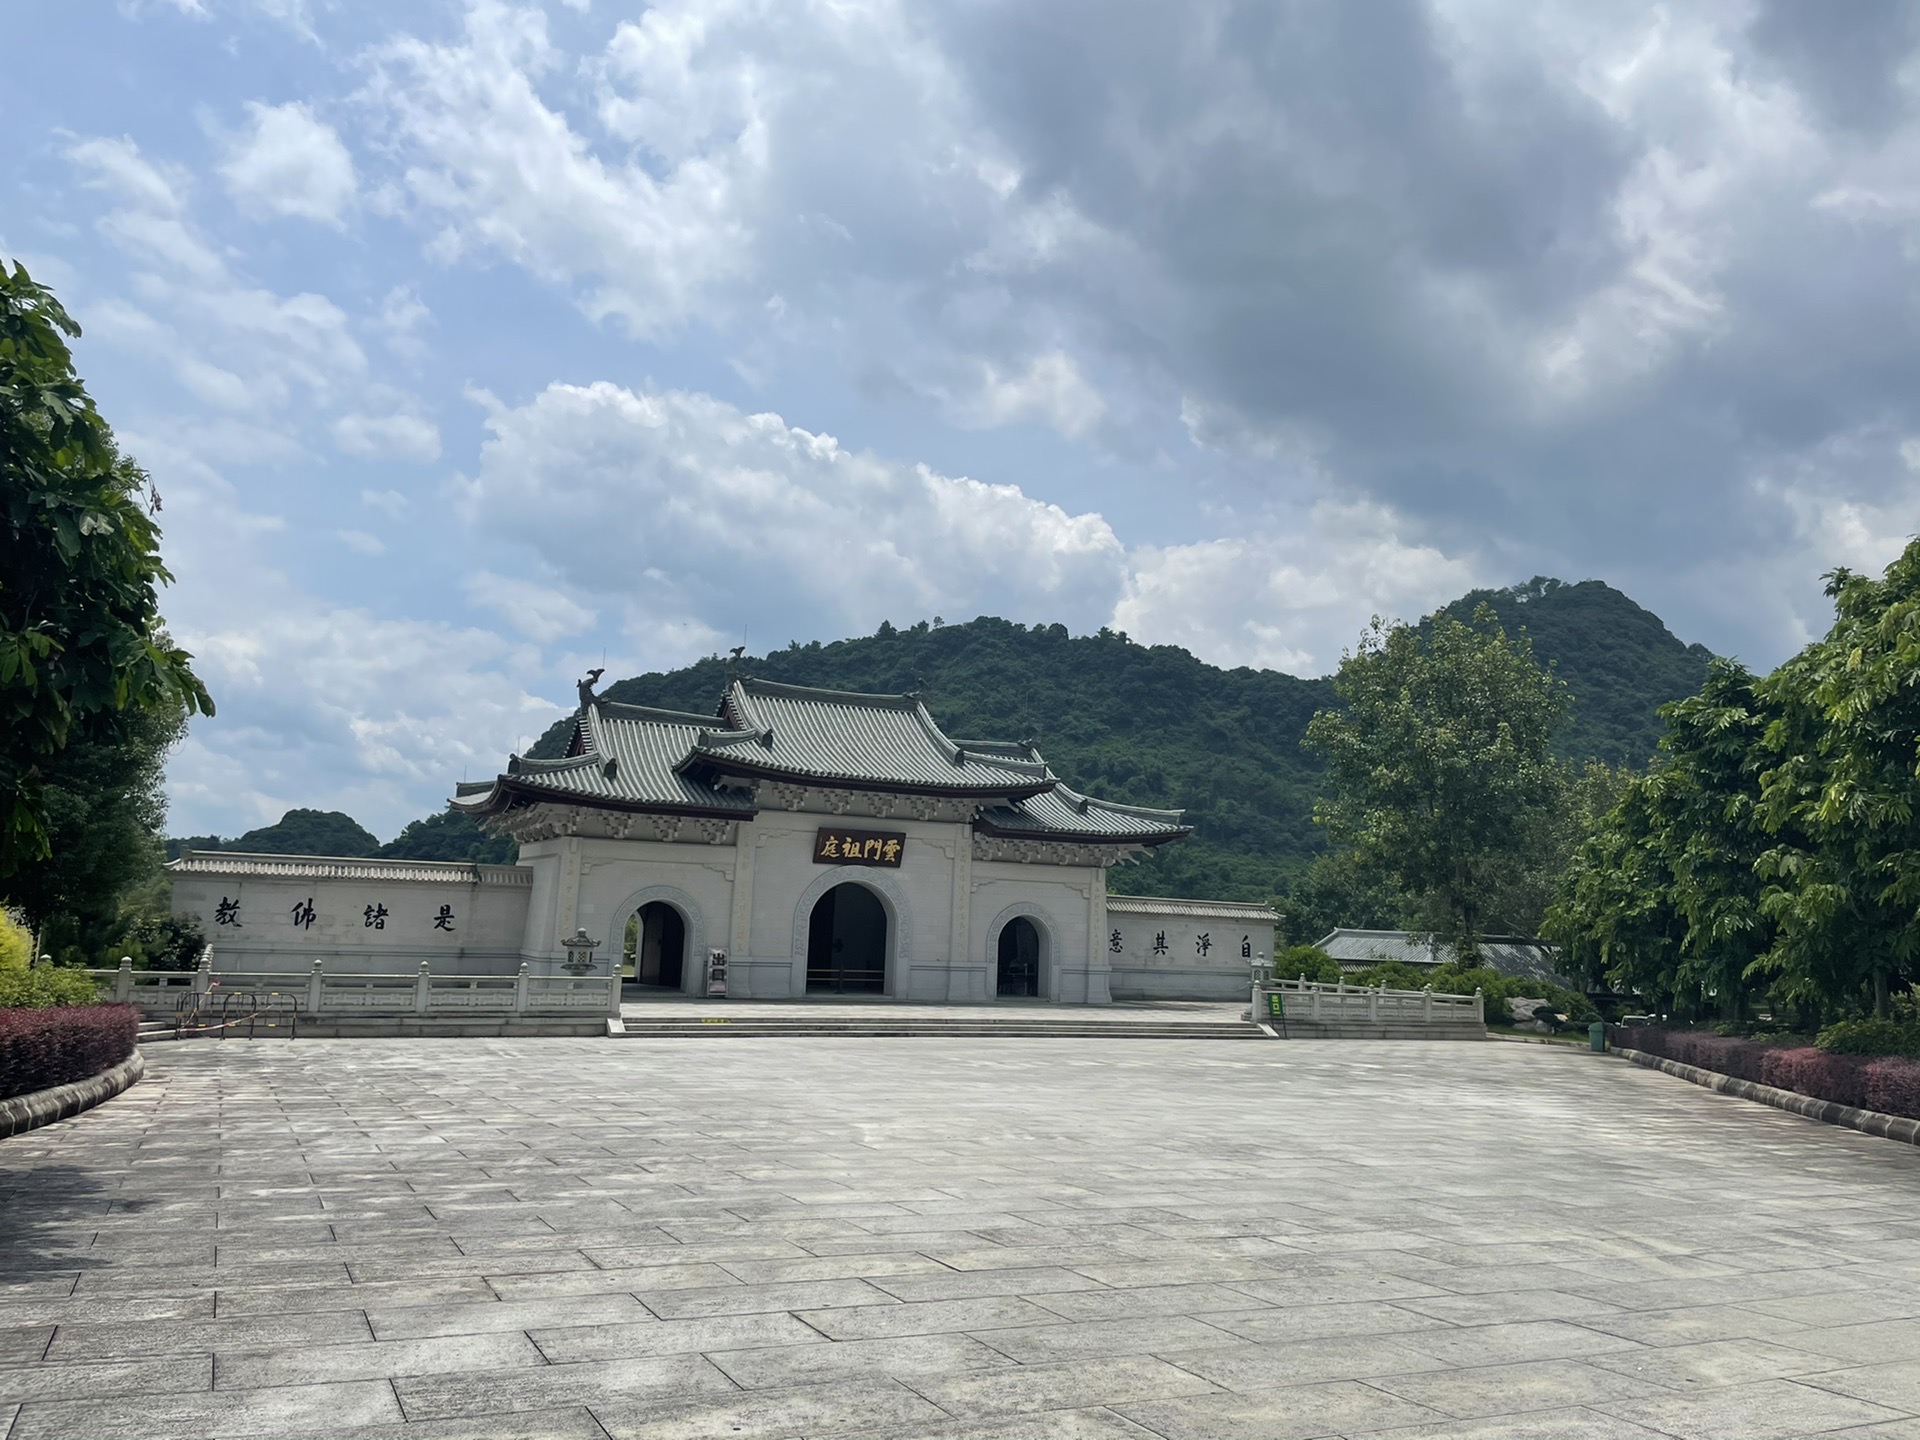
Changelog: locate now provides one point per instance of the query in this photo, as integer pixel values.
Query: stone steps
(662, 1028)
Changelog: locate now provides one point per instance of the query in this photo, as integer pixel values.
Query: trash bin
(1597, 1037)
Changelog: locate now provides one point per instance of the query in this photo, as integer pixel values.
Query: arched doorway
(1019, 970)
(657, 945)
(847, 943)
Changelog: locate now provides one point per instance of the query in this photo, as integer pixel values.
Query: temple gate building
(824, 842)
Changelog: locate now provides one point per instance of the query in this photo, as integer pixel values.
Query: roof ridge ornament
(587, 697)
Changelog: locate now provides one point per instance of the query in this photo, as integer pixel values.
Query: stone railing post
(203, 972)
(315, 987)
(1480, 1004)
(1426, 1005)
(1313, 1004)
(613, 991)
(423, 989)
(1373, 1004)
(522, 988)
(123, 979)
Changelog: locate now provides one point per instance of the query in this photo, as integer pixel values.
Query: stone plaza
(970, 1238)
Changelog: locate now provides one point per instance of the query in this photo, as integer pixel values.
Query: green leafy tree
(1842, 798)
(104, 804)
(82, 652)
(1615, 920)
(1440, 773)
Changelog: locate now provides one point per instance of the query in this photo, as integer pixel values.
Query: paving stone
(946, 1284)
(419, 1321)
(174, 1374)
(1490, 1390)
(1290, 1413)
(587, 1382)
(845, 1406)
(1713, 1363)
(292, 1410)
(1753, 1412)
(1880, 1343)
(1251, 1369)
(909, 1355)
(1153, 1335)
(1063, 1385)
(131, 1339)
(1509, 1344)
(314, 1364)
(673, 1337)
(1279, 1324)
(1144, 1300)
(1897, 1384)
(754, 1299)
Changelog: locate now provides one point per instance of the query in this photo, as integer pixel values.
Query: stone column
(740, 926)
(1099, 958)
(960, 986)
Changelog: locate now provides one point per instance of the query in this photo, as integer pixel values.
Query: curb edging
(42, 1107)
(1867, 1122)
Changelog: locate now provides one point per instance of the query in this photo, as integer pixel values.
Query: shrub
(1889, 1085)
(1893, 1087)
(16, 944)
(58, 1045)
(49, 985)
(1391, 975)
(1308, 960)
(1872, 1037)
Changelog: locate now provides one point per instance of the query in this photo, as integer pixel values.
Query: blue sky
(471, 345)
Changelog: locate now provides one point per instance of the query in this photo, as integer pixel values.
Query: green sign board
(1273, 1003)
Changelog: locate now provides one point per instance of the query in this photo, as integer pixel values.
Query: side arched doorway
(1019, 967)
(847, 943)
(656, 945)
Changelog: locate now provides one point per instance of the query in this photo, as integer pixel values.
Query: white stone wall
(481, 934)
(1184, 949)
(751, 898)
(595, 885)
(1060, 901)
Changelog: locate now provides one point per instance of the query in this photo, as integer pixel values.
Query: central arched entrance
(1019, 971)
(847, 943)
(656, 945)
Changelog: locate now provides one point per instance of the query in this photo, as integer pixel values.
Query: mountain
(1620, 661)
(445, 836)
(1142, 724)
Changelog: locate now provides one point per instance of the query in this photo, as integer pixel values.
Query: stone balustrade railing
(1335, 1004)
(318, 993)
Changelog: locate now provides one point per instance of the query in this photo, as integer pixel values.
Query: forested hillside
(1147, 725)
(1620, 661)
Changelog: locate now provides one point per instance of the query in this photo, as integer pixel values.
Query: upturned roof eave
(1081, 837)
(509, 787)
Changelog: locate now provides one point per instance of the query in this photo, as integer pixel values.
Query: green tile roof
(634, 757)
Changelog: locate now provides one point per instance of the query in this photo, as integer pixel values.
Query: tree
(104, 806)
(1842, 798)
(451, 836)
(82, 652)
(1439, 767)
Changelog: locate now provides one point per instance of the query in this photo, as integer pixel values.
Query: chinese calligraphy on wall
(858, 847)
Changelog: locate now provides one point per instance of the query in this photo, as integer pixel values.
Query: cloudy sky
(471, 346)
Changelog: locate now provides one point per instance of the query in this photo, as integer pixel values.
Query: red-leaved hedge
(1885, 1083)
(56, 1046)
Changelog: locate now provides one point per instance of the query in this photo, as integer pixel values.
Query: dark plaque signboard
(858, 847)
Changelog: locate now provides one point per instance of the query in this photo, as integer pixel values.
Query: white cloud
(684, 507)
(360, 542)
(290, 163)
(502, 170)
(398, 437)
(1287, 601)
(538, 612)
(391, 502)
(1050, 390)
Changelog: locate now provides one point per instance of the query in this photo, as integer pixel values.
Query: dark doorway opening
(659, 945)
(1019, 959)
(847, 943)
